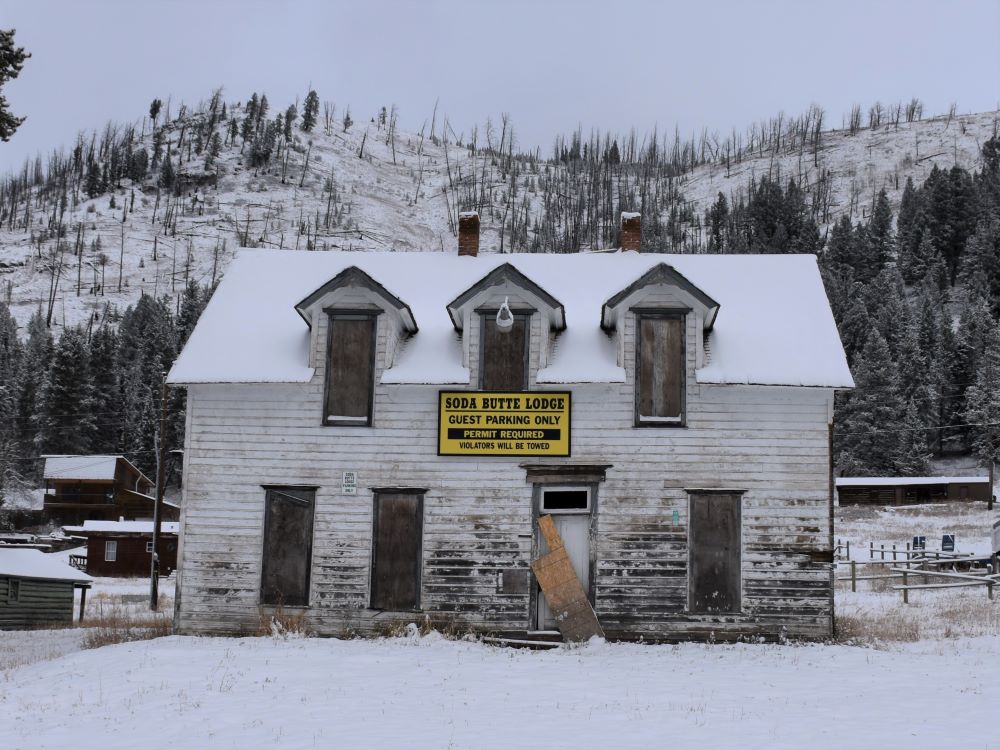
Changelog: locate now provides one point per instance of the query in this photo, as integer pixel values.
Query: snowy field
(915, 675)
(182, 692)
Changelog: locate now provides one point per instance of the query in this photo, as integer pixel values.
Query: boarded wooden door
(504, 356)
(288, 531)
(575, 532)
(397, 537)
(714, 542)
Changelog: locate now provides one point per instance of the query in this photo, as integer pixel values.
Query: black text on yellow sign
(478, 423)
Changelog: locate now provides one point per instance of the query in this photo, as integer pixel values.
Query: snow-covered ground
(916, 675)
(184, 692)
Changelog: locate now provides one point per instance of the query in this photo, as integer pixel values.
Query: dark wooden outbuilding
(36, 589)
(911, 490)
(123, 549)
(99, 488)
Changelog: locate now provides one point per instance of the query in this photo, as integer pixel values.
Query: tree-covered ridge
(106, 241)
(917, 307)
(96, 389)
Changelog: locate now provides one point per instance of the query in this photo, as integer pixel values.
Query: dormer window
(659, 369)
(503, 357)
(350, 368)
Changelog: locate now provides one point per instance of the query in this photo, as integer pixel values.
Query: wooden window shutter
(503, 361)
(287, 557)
(660, 370)
(350, 367)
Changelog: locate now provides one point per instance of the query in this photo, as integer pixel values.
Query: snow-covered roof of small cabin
(904, 481)
(33, 563)
(84, 467)
(123, 527)
(774, 325)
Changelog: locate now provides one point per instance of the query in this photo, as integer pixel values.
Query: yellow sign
(478, 423)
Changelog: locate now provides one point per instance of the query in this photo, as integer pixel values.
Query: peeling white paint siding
(770, 441)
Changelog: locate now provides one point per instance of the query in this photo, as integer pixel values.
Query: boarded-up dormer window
(503, 359)
(287, 557)
(350, 369)
(659, 367)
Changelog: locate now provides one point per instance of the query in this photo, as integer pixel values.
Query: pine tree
(65, 419)
(93, 184)
(290, 115)
(167, 177)
(214, 149)
(871, 419)
(147, 347)
(154, 110)
(879, 237)
(35, 361)
(107, 396)
(310, 111)
(11, 61)
(982, 399)
(10, 362)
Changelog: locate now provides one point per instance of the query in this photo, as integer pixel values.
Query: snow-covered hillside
(359, 188)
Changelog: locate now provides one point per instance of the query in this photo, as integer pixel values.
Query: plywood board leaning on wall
(561, 587)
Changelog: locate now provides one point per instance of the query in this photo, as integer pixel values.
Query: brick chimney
(631, 231)
(468, 233)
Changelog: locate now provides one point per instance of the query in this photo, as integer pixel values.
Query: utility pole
(161, 475)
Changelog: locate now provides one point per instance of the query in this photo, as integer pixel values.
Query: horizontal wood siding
(770, 442)
(40, 603)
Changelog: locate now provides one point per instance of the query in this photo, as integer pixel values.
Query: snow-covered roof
(123, 527)
(33, 563)
(84, 467)
(901, 481)
(774, 325)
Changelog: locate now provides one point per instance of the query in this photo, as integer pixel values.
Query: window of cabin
(149, 546)
(13, 591)
(659, 368)
(503, 355)
(350, 369)
(110, 551)
(287, 556)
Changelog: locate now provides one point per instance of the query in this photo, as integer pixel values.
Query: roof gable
(501, 275)
(354, 277)
(666, 275)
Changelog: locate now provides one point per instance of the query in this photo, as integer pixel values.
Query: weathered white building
(372, 436)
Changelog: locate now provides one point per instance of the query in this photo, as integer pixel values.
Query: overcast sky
(717, 64)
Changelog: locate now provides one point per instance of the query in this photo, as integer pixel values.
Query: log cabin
(124, 549)
(99, 488)
(912, 490)
(372, 438)
(37, 590)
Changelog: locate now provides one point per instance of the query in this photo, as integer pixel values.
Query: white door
(575, 532)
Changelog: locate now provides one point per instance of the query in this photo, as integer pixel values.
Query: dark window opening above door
(556, 500)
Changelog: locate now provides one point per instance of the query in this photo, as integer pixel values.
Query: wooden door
(287, 557)
(714, 543)
(396, 560)
(575, 532)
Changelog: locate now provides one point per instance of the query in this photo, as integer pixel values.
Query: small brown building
(37, 589)
(122, 549)
(910, 490)
(99, 488)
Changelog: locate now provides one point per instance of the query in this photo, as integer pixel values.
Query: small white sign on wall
(349, 484)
